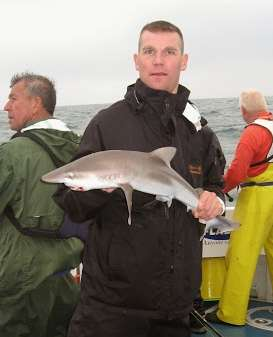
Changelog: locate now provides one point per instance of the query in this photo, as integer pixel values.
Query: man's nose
(158, 58)
(6, 106)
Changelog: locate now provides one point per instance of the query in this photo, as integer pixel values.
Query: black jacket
(152, 267)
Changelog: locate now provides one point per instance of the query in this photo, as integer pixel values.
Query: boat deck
(260, 323)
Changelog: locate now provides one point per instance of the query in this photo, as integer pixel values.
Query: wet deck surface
(260, 323)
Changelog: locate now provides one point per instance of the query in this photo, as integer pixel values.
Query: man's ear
(184, 62)
(37, 102)
(243, 111)
(136, 61)
(37, 105)
(245, 115)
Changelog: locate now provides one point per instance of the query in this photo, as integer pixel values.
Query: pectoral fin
(128, 191)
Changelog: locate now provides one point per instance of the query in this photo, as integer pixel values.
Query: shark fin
(189, 208)
(222, 224)
(128, 190)
(165, 153)
(164, 198)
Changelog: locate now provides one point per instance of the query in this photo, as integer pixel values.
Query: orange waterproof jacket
(254, 145)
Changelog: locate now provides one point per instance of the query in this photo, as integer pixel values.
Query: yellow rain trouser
(213, 277)
(254, 211)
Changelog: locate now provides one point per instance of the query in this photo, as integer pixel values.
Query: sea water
(223, 116)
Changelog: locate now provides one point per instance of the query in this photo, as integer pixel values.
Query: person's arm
(212, 201)
(7, 178)
(250, 143)
(237, 171)
(214, 164)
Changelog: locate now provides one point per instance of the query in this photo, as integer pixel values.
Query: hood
(139, 93)
(54, 135)
(168, 106)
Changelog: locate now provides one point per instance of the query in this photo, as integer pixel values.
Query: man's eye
(170, 51)
(148, 51)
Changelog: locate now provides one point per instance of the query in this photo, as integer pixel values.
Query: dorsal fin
(165, 153)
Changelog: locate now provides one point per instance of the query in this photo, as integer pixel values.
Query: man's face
(160, 61)
(20, 106)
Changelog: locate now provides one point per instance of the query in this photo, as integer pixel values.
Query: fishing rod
(205, 323)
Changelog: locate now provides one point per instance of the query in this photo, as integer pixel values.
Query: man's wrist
(223, 206)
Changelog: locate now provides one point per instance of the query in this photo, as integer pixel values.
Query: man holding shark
(141, 279)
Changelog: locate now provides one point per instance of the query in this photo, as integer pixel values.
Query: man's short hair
(253, 101)
(39, 86)
(161, 26)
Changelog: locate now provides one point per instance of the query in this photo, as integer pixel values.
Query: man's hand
(108, 190)
(209, 206)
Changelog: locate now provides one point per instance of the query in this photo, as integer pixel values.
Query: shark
(148, 172)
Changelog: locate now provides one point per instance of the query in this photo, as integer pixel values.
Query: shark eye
(71, 175)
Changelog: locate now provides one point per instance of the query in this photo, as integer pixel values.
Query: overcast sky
(87, 46)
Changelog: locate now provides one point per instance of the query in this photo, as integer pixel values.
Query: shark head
(77, 180)
(70, 179)
(82, 175)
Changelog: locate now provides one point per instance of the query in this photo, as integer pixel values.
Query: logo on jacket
(195, 169)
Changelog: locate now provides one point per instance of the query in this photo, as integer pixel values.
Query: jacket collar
(139, 93)
(50, 123)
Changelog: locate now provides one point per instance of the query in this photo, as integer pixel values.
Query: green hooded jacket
(25, 261)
